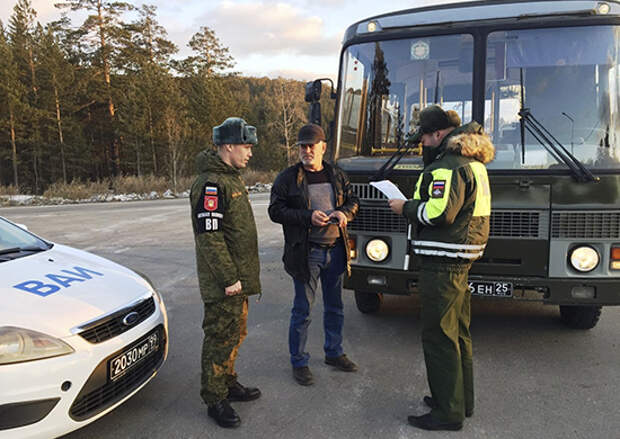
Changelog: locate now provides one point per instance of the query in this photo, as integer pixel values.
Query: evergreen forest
(110, 97)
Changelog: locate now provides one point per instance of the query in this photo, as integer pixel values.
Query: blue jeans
(326, 265)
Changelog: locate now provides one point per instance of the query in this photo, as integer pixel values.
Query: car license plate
(490, 288)
(119, 365)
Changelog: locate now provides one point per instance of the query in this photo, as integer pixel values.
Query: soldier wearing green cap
(227, 264)
(450, 214)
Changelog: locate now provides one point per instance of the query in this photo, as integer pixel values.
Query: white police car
(79, 335)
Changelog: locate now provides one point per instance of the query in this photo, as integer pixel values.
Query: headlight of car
(18, 345)
(584, 258)
(377, 250)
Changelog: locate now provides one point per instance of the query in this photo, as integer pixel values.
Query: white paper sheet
(388, 189)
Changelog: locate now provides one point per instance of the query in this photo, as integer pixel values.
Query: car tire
(580, 316)
(368, 303)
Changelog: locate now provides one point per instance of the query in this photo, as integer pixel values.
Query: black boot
(237, 392)
(224, 414)
(426, 422)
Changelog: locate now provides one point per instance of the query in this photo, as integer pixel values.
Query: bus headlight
(377, 250)
(584, 258)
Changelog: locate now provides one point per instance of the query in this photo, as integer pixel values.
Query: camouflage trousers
(225, 327)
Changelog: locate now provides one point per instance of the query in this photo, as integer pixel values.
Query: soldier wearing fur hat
(227, 264)
(450, 213)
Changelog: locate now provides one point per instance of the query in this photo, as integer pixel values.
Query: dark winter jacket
(451, 206)
(224, 229)
(290, 206)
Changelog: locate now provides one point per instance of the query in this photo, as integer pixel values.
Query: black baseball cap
(310, 134)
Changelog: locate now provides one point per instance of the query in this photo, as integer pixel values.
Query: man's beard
(429, 153)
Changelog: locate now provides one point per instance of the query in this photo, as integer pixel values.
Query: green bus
(543, 78)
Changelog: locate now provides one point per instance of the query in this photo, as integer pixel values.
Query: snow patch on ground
(37, 200)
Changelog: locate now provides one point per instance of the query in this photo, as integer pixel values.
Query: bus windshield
(385, 84)
(568, 78)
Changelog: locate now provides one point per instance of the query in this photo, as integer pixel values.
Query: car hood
(61, 288)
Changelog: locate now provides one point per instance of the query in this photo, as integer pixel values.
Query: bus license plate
(491, 288)
(119, 365)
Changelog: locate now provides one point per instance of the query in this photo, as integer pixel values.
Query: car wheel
(580, 316)
(368, 302)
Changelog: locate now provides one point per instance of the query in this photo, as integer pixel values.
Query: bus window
(386, 83)
(570, 82)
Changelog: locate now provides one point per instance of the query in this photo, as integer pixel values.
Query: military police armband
(209, 209)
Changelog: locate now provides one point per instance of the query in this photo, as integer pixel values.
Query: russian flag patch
(210, 190)
(438, 189)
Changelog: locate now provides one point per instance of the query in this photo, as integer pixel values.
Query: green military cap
(434, 118)
(234, 131)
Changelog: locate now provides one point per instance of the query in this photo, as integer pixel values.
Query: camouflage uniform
(226, 252)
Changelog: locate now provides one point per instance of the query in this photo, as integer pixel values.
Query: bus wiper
(402, 150)
(555, 148)
(546, 139)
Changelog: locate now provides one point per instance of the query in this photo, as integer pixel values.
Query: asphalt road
(534, 377)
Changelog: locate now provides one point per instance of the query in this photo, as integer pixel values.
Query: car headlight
(584, 258)
(377, 250)
(18, 345)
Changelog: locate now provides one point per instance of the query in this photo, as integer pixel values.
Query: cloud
(46, 11)
(270, 28)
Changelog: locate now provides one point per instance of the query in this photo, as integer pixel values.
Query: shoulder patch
(208, 211)
(438, 189)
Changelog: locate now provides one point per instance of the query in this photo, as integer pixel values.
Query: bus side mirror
(313, 91)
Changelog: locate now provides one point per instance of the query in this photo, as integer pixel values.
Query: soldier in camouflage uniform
(227, 264)
(450, 212)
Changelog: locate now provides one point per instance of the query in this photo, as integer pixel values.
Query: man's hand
(340, 216)
(319, 219)
(396, 205)
(233, 289)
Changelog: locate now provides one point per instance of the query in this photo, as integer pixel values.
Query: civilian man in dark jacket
(313, 201)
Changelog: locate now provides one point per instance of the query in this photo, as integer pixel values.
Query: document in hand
(388, 189)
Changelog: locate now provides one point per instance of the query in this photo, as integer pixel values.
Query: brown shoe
(303, 375)
(342, 363)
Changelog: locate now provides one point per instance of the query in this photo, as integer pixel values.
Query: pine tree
(103, 29)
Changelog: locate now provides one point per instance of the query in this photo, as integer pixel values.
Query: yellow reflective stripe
(416, 193)
(436, 206)
(482, 206)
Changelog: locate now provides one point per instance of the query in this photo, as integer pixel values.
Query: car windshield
(569, 79)
(15, 241)
(386, 83)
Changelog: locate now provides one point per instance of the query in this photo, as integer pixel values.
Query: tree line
(108, 97)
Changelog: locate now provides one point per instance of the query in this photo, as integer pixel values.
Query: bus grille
(584, 225)
(110, 326)
(521, 224)
(504, 223)
(378, 219)
(367, 192)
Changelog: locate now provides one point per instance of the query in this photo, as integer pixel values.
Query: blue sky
(297, 39)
